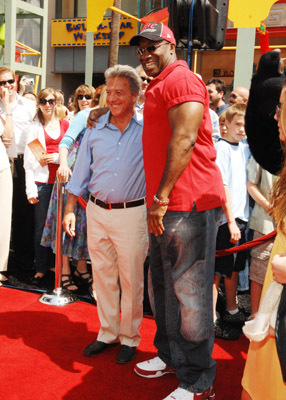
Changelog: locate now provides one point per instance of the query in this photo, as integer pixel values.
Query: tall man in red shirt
(184, 189)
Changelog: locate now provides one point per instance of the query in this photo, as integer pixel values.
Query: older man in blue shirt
(110, 165)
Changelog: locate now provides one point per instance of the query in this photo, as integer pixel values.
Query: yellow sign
(72, 32)
(249, 14)
(95, 12)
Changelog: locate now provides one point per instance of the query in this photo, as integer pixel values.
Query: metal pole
(58, 297)
(59, 241)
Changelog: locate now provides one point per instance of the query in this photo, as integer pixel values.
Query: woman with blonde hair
(73, 248)
(263, 377)
(44, 135)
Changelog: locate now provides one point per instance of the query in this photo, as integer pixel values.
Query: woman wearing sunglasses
(263, 377)
(41, 160)
(76, 247)
(6, 183)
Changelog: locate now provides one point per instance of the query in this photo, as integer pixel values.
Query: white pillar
(244, 57)
(89, 58)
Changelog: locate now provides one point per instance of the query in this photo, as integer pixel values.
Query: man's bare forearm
(71, 202)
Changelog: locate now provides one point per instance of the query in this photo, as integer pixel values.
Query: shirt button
(119, 143)
(115, 174)
(117, 158)
(112, 190)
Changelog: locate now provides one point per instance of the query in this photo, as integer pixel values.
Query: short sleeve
(254, 171)
(223, 162)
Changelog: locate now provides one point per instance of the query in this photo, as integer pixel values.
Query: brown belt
(110, 206)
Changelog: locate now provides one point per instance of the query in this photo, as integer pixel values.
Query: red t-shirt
(52, 146)
(201, 181)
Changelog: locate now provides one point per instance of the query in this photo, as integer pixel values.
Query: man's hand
(155, 219)
(94, 115)
(5, 98)
(63, 173)
(234, 231)
(279, 268)
(69, 223)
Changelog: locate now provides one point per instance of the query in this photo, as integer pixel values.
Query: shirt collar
(104, 120)
(166, 71)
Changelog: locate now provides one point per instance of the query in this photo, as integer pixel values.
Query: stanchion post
(59, 240)
(58, 297)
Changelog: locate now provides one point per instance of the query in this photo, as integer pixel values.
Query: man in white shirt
(23, 112)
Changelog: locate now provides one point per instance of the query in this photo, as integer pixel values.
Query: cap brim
(135, 40)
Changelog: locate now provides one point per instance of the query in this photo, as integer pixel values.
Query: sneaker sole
(158, 374)
(211, 396)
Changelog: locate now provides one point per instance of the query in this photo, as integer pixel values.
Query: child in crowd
(222, 124)
(232, 159)
(259, 185)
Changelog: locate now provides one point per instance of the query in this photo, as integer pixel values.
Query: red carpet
(41, 356)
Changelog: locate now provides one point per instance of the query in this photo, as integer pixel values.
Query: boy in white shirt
(232, 159)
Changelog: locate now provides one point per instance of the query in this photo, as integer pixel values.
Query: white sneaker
(183, 394)
(153, 368)
(180, 394)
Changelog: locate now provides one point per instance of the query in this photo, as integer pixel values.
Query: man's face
(10, 87)
(154, 62)
(145, 80)
(119, 98)
(215, 96)
(236, 97)
(235, 129)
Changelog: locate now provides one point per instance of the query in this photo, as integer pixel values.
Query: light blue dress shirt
(110, 164)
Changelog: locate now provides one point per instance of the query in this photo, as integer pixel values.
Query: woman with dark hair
(41, 170)
(260, 126)
(76, 247)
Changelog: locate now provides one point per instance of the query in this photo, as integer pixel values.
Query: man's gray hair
(125, 71)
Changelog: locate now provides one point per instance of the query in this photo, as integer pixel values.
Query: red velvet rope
(226, 252)
(245, 246)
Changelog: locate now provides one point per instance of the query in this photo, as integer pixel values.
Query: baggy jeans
(182, 269)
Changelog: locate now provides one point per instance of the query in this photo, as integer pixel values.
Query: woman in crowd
(41, 169)
(76, 247)
(262, 377)
(6, 135)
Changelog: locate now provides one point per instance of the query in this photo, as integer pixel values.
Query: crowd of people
(184, 173)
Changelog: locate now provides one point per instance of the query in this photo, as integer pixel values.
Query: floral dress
(73, 247)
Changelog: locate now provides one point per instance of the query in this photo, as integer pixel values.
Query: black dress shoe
(97, 347)
(36, 281)
(125, 354)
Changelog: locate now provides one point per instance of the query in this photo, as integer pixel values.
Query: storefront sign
(72, 32)
(223, 73)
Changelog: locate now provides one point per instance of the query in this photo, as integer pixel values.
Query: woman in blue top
(76, 247)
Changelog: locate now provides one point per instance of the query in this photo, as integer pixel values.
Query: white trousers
(5, 216)
(118, 244)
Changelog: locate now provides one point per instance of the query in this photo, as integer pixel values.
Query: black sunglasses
(150, 49)
(148, 80)
(84, 96)
(45, 101)
(10, 81)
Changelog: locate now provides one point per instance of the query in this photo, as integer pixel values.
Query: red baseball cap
(154, 31)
